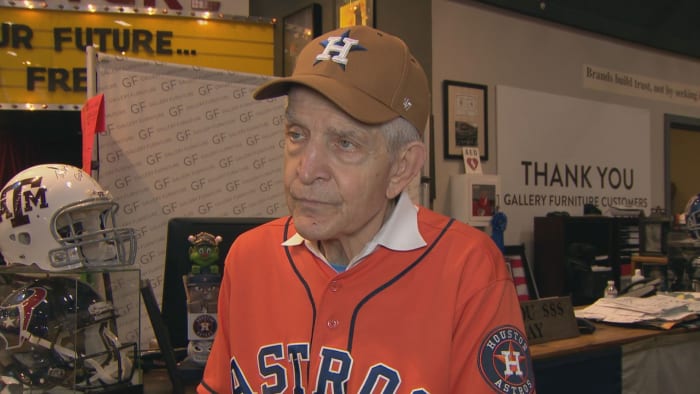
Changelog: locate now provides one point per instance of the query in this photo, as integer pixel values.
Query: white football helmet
(57, 217)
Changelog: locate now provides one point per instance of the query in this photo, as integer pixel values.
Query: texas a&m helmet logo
(23, 197)
(504, 361)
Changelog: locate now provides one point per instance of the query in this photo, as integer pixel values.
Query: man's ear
(407, 166)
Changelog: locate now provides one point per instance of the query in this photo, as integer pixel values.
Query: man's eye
(294, 134)
(346, 144)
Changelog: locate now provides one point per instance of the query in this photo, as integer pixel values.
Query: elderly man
(359, 290)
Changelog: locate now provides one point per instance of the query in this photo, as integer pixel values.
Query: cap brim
(356, 103)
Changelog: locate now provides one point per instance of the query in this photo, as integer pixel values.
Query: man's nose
(313, 163)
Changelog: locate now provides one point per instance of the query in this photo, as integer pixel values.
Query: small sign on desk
(547, 319)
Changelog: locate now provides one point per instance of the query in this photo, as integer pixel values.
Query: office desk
(611, 360)
(605, 336)
(620, 360)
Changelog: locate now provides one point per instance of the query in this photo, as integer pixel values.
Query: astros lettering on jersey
(437, 319)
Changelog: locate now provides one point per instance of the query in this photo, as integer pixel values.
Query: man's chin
(310, 228)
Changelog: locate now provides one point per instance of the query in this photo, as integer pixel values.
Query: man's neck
(341, 251)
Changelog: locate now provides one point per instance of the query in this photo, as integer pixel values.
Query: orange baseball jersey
(444, 318)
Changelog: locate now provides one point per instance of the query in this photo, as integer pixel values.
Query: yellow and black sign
(42, 52)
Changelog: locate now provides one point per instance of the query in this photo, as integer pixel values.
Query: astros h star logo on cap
(336, 52)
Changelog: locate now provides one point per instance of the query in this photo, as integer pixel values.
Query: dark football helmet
(692, 216)
(58, 332)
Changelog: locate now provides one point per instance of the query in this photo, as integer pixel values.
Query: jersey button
(334, 286)
(333, 323)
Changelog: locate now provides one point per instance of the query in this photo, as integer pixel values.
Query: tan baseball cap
(369, 74)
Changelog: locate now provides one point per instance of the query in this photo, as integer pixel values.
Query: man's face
(336, 171)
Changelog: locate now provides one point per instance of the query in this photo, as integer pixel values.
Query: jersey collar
(399, 233)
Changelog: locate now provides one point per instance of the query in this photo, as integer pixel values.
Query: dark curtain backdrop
(28, 138)
(16, 154)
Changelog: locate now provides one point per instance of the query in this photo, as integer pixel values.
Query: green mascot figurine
(202, 290)
(204, 253)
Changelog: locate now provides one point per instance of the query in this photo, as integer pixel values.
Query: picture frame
(299, 28)
(653, 235)
(355, 12)
(465, 112)
(483, 193)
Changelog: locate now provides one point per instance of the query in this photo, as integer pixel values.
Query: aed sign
(547, 319)
(43, 58)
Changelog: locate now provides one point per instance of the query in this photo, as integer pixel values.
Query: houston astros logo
(504, 360)
(204, 326)
(336, 52)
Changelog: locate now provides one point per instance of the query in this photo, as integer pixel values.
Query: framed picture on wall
(465, 118)
(300, 27)
(483, 192)
(355, 12)
(653, 235)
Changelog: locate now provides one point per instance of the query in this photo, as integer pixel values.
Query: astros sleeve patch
(504, 361)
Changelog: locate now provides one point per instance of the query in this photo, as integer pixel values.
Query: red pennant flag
(92, 121)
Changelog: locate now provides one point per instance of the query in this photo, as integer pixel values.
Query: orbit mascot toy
(202, 289)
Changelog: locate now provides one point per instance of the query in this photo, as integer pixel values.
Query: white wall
(480, 44)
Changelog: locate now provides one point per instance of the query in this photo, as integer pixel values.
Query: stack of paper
(663, 311)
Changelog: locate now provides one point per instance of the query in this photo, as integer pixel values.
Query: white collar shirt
(399, 233)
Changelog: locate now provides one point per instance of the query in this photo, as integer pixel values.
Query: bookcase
(577, 255)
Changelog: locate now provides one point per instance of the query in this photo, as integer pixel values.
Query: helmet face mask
(57, 332)
(89, 236)
(57, 217)
(198, 351)
(106, 360)
(692, 216)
